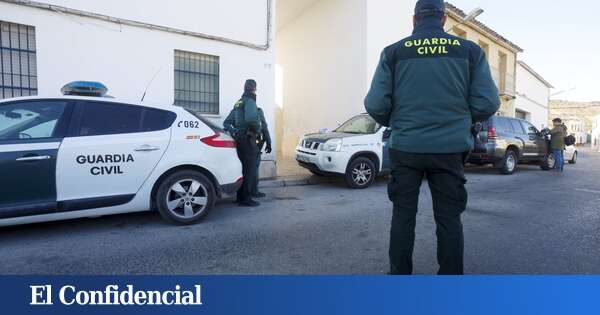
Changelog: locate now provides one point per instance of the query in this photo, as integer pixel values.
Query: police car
(356, 150)
(90, 155)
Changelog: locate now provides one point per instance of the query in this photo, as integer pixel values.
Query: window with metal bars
(197, 82)
(18, 60)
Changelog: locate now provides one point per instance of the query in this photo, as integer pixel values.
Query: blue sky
(561, 39)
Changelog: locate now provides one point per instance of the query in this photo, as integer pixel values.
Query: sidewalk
(289, 173)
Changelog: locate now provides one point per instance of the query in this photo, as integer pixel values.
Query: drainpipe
(133, 23)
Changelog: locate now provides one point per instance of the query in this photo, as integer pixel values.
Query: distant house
(576, 127)
(533, 94)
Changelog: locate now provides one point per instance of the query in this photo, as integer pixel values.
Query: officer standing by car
(430, 88)
(243, 123)
(264, 142)
(557, 144)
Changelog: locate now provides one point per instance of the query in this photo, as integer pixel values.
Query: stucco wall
(596, 134)
(532, 97)
(321, 57)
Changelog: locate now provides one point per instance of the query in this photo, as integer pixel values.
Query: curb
(293, 181)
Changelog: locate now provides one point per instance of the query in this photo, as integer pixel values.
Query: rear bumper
(490, 153)
(231, 189)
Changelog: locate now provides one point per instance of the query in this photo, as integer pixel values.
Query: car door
(110, 151)
(31, 132)
(529, 147)
(537, 143)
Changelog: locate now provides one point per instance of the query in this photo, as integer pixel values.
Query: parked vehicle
(74, 156)
(507, 142)
(355, 150)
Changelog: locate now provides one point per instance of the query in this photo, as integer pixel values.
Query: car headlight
(333, 145)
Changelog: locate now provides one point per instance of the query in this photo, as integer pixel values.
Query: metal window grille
(197, 82)
(18, 66)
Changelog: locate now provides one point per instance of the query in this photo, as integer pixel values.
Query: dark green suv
(507, 142)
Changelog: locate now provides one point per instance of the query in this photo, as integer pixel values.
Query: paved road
(534, 222)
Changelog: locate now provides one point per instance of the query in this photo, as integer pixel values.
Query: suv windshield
(362, 125)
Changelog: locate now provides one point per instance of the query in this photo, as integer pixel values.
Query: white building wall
(388, 21)
(532, 97)
(321, 58)
(126, 58)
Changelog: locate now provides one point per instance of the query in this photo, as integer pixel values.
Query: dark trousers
(445, 175)
(247, 152)
(254, 189)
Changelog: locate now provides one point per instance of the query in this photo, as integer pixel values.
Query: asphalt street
(534, 222)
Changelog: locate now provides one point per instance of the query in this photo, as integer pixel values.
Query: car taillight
(219, 140)
(492, 133)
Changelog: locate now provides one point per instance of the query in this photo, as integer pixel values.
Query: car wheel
(361, 173)
(509, 163)
(549, 162)
(185, 197)
(574, 159)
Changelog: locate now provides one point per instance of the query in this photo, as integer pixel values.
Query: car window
(530, 128)
(156, 119)
(109, 119)
(359, 125)
(517, 127)
(30, 120)
(503, 125)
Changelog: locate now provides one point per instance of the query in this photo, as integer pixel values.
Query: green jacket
(264, 128)
(430, 88)
(243, 118)
(557, 140)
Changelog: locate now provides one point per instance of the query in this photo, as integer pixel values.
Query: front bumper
(327, 162)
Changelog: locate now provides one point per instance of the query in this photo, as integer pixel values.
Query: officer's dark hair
(250, 85)
(557, 120)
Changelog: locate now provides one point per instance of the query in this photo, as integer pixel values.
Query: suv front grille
(311, 145)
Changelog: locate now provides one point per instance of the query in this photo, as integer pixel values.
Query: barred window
(18, 55)
(197, 82)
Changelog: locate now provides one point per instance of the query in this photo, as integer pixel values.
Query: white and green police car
(87, 156)
(356, 150)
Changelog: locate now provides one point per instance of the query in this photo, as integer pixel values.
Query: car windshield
(362, 125)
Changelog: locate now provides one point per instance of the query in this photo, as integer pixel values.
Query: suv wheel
(360, 173)
(185, 197)
(549, 162)
(574, 159)
(509, 163)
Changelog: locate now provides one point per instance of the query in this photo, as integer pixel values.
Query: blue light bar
(85, 88)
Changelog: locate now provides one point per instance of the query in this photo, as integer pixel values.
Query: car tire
(185, 197)
(509, 163)
(574, 159)
(361, 173)
(548, 162)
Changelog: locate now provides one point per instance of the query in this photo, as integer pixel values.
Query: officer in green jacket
(264, 142)
(430, 88)
(243, 123)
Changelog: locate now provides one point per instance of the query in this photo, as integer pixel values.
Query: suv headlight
(333, 145)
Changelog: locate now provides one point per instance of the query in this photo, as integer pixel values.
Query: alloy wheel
(362, 174)
(187, 198)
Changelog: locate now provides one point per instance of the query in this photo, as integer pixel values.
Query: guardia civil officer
(264, 142)
(430, 88)
(244, 125)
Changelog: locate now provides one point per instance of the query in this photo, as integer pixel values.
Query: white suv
(357, 150)
(73, 157)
